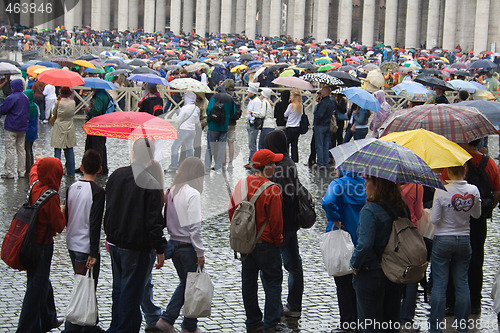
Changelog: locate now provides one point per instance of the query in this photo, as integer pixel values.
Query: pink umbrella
(293, 82)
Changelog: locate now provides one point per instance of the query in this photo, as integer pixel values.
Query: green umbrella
(325, 68)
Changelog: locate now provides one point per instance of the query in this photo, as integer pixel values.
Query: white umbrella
(6, 68)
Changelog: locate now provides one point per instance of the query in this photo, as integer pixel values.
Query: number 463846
(26, 7)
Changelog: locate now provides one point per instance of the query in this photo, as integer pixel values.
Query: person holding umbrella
(440, 97)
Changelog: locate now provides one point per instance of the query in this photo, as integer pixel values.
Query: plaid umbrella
(456, 123)
(322, 78)
(386, 160)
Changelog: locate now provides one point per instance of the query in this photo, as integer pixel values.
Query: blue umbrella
(96, 83)
(362, 98)
(185, 62)
(483, 64)
(149, 78)
(49, 64)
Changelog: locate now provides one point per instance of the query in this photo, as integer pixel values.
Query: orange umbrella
(31, 70)
(130, 125)
(61, 77)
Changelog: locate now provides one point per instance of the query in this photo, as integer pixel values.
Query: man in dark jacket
(16, 108)
(134, 225)
(322, 115)
(217, 132)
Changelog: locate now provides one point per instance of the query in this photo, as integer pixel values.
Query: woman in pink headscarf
(380, 116)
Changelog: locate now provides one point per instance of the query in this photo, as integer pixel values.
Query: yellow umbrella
(436, 150)
(445, 60)
(31, 70)
(84, 63)
(238, 68)
(39, 70)
(287, 73)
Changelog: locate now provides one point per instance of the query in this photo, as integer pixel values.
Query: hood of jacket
(17, 85)
(33, 107)
(380, 96)
(50, 172)
(276, 142)
(223, 96)
(189, 97)
(285, 96)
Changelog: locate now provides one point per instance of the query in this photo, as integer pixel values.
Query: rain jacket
(189, 114)
(32, 132)
(16, 107)
(63, 133)
(343, 200)
(229, 109)
(380, 116)
(100, 101)
(48, 171)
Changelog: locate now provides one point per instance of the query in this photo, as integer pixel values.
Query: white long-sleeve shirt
(188, 117)
(292, 117)
(267, 112)
(452, 209)
(254, 107)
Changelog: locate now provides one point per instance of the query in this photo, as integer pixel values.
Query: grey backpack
(405, 256)
(243, 227)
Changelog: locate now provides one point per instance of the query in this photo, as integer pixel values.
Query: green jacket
(229, 109)
(99, 104)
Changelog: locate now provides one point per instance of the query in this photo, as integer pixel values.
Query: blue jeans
(252, 140)
(185, 261)
(263, 134)
(216, 141)
(184, 138)
(377, 299)
(151, 311)
(450, 253)
(130, 274)
(69, 155)
(266, 259)
(322, 142)
(38, 313)
(79, 261)
(293, 264)
(409, 303)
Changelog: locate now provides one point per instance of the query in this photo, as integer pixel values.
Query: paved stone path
(320, 313)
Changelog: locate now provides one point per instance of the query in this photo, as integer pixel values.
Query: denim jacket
(374, 229)
(361, 117)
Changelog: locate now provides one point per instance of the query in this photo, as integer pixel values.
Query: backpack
(111, 105)
(479, 178)
(18, 251)
(304, 124)
(307, 214)
(243, 227)
(237, 107)
(218, 114)
(404, 259)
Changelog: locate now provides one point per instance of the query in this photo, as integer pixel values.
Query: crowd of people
(138, 208)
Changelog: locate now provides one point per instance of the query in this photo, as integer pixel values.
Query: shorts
(231, 133)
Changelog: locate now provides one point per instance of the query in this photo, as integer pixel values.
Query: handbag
(258, 123)
(333, 124)
(307, 214)
(304, 123)
(198, 295)
(52, 119)
(337, 248)
(82, 308)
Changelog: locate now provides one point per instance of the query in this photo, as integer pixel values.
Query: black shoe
(449, 312)
(255, 329)
(57, 323)
(151, 327)
(475, 310)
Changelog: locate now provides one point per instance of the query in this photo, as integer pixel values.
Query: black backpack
(479, 177)
(218, 115)
(237, 108)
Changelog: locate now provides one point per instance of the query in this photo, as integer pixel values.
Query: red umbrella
(130, 125)
(488, 52)
(61, 77)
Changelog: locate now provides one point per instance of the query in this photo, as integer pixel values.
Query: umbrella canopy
(247, 57)
(322, 78)
(386, 160)
(137, 62)
(414, 91)
(293, 82)
(362, 98)
(117, 72)
(130, 125)
(190, 85)
(306, 65)
(12, 62)
(484, 95)
(49, 64)
(145, 70)
(6, 68)
(149, 78)
(84, 63)
(483, 64)
(370, 67)
(463, 85)
(389, 66)
(64, 62)
(491, 109)
(436, 150)
(456, 123)
(238, 68)
(97, 83)
(348, 79)
(61, 77)
(433, 82)
(376, 78)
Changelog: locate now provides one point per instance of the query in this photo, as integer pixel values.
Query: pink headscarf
(380, 116)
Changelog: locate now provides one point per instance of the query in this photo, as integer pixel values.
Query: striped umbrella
(456, 123)
(384, 159)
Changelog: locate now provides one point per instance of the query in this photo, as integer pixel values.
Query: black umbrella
(433, 82)
(119, 71)
(144, 70)
(461, 73)
(229, 59)
(483, 64)
(115, 61)
(12, 62)
(348, 79)
(138, 62)
(124, 66)
(431, 71)
(247, 57)
(306, 65)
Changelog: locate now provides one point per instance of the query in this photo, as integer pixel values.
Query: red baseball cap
(265, 156)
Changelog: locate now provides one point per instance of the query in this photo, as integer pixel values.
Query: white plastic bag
(495, 293)
(337, 248)
(424, 225)
(82, 308)
(198, 295)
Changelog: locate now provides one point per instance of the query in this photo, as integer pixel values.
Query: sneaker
(218, 172)
(291, 313)
(164, 326)
(151, 327)
(278, 328)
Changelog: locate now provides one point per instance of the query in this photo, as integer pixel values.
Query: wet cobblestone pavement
(320, 310)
